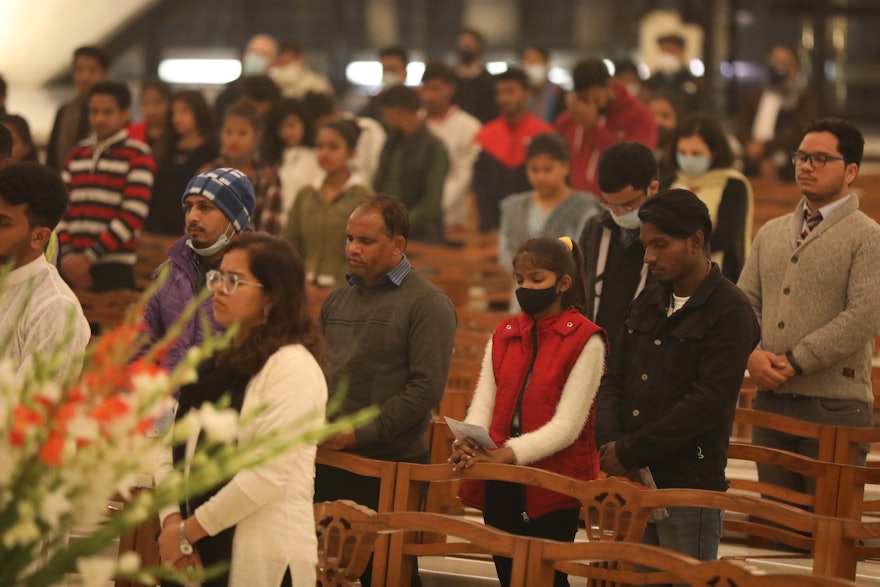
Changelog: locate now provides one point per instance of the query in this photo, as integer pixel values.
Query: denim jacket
(670, 393)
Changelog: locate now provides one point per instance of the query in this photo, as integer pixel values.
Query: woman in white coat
(261, 521)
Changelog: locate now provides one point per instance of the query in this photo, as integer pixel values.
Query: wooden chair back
(105, 311)
(386, 472)
(151, 250)
(824, 434)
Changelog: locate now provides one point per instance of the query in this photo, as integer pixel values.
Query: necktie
(811, 220)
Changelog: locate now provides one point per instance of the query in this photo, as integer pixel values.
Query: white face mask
(254, 64)
(693, 164)
(210, 251)
(536, 73)
(668, 63)
(629, 221)
(391, 78)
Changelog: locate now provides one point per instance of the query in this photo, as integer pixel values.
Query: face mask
(778, 75)
(629, 221)
(535, 301)
(693, 164)
(668, 63)
(537, 74)
(390, 78)
(467, 56)
(218, 246)
(254, 64)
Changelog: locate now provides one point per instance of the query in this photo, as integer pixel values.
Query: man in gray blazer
(813, 278)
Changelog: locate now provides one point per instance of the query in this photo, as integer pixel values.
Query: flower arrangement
(69, 443)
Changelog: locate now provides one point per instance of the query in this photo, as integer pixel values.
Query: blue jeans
(692, 531)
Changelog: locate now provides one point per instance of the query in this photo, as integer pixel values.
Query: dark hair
(589, 73)
(626, 164)
(202, 113)
(622, 65)
(95, 53)
(678, 213)
(709, 129)
(541, 50)
(319, 104)
(272, 148)
(513, 74)
(394, 214)
(6, 142)
(259, 88)
(548, 143)
(246, 109)
(395, 51)
(850, 141)
(554, 255)
(481, 40)
(347, 129)
(2, 86)
(400, 96)
(672, 98)
(38, 187)
(672, 39)
(279, 269)
(438, 70)
(21, 128)
(118, 90)
(161, 148)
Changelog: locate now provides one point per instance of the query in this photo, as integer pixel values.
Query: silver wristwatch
(185, 547)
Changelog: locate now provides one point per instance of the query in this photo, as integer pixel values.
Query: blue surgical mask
(254, 64)
(210, 251)
(629, 221)
(693, 164)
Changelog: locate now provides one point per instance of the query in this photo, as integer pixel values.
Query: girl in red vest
(535, 395)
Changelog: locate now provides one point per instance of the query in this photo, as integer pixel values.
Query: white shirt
(457, 131)
(827, 209)
(298, 168)
(36, 308)
(369, 147)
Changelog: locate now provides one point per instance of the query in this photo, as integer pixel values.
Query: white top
(457, 131)
(299, 167)
(271, 505)
(571, 413)
(369, 147)
(36, 308)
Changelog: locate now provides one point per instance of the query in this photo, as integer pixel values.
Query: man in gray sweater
(813, 278)
(389, 336)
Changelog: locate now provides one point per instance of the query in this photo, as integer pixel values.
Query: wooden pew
(105, 311)
(343, 548)
(614, 563)
(151, 250)
(386, 472)
(825, 435)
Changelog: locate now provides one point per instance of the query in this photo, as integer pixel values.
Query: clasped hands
(769, 370)
(466, 453)
(169, 547)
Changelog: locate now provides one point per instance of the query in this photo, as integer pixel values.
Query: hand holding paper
(462, 430)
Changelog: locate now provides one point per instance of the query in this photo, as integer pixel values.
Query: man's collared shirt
(827, 209)
(394, 277)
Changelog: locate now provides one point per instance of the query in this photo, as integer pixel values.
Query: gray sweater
(820, 300)
(390, 346)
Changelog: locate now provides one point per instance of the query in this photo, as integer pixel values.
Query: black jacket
(670, 393)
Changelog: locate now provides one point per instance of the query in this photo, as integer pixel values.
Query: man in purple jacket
(217, 205)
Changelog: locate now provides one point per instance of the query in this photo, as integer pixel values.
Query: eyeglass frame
(625, 207)
(221, 277)
(799, 158)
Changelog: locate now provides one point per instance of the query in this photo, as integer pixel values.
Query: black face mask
(467, 56)
(777, 75)
(535, 301)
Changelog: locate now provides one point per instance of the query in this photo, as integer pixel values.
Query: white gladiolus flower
(220, 425)
(23, 533)
(53, 506)
(150, 383)
(129, 563)
(95, 570)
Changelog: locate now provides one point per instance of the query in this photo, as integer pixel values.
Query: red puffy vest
(561, 339)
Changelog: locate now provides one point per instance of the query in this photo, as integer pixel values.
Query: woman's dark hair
(202, 113)
(550, 144)
(709, 129)
(347, 129)
(554, 255)
(246, 109)
(162, 147)
(20, 127)
(272, 147)
(279, 269)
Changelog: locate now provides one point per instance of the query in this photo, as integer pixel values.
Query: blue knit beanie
(229, 189)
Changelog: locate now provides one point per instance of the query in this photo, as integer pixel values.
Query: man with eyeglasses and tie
(813, 278)
(217, 205)
(614, 268)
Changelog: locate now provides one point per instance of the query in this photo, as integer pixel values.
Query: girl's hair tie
(567, 241)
